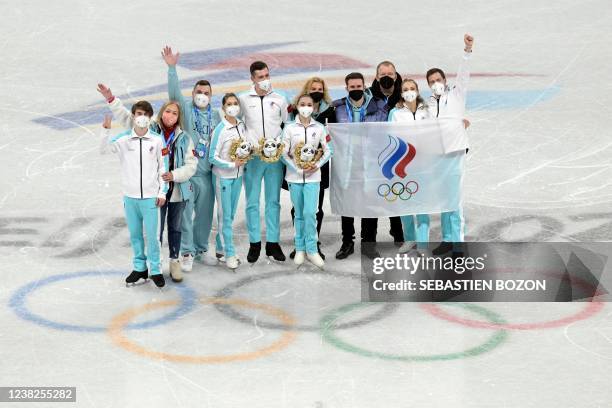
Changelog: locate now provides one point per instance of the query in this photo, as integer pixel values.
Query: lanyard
(170, 140)
(199, 127)
(349, 111)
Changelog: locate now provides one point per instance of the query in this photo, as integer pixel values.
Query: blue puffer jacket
(375, 109)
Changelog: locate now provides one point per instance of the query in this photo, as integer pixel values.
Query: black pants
(174, 212)
(319, 213)
(369, 227)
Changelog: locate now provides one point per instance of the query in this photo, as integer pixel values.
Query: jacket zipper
(438, 111)
(141, 193)
(240, 137)
(263, 120)
(305, 142)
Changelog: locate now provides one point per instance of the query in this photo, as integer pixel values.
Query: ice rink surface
(539, 169)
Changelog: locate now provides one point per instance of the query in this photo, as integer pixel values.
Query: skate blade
(271, 260)
(139, 282)
(322, 267)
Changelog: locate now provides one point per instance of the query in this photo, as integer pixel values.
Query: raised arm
(121, 113)
(463, 73)
(174, 89)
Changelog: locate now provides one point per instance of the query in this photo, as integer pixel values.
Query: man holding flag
(390, 169)
(359, 106)
(449, 102)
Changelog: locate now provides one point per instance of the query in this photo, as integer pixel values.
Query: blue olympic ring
(18, 303)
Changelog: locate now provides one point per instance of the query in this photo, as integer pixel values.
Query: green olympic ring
(327, 324)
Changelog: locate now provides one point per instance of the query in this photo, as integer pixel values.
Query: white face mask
(232, 110)
(142, 121)
(201, 100)
(265, 85)
(410, 96)
(305, 111)
(437, 88)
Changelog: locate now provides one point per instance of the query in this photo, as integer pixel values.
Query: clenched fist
(469, 42)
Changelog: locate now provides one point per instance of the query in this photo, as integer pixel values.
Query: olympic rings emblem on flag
(398, 190)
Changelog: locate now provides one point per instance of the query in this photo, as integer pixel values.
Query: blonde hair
(306, 90)
(179, 121)
(401, 103)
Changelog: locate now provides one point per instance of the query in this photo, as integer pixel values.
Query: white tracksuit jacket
(451, 104)
(263, 116)
(142, 164)
(314, 134)
(219, 156)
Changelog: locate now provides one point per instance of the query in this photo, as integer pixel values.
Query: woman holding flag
(412, 107)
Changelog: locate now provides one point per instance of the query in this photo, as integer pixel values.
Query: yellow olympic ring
(120, 321)
(393, 197)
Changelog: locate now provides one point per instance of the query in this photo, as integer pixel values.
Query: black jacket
(395, 96)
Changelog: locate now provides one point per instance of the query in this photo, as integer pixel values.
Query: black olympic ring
(231, 312)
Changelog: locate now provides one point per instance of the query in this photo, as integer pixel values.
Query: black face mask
(316, 96)
(386, 82)
(356, 94)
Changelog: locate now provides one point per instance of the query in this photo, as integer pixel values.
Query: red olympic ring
(589, 310)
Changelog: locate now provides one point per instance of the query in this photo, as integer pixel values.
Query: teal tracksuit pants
(305, 199)
(418, 231)
(453, 222)
(198, 215)
(227, 192)
(139, 213)
(453, 226)
(271, 174)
